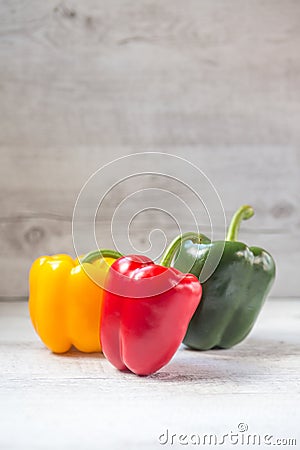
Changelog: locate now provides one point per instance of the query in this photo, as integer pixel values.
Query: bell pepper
(65, 300)
(234, 294)
(145, 313)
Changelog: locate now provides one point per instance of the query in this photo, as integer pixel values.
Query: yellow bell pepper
(65, 302)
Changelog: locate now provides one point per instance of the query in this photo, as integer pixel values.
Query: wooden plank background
(82, 83)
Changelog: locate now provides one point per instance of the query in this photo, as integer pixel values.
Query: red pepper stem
(99, 254)
(175, 244)
(243, 213)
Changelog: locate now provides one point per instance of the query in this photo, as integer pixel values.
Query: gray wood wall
(82, 83)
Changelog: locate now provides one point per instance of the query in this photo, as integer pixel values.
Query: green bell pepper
(235, 292)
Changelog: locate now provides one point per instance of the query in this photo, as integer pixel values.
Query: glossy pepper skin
(144, 322)
(65, 302)
(234, 294)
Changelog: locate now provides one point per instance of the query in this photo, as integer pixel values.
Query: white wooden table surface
(80, 401)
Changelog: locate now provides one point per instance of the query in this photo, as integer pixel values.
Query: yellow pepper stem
(99, 254)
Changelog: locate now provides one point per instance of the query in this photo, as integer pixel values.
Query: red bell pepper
(146, 310)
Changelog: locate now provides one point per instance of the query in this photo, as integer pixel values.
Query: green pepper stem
(99, 254)
(243, 213)
(175, 244)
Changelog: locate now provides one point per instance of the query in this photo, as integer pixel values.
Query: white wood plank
(171, 74)
(38, 205)
(25, 240)
(81, 401)
(47, 181)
